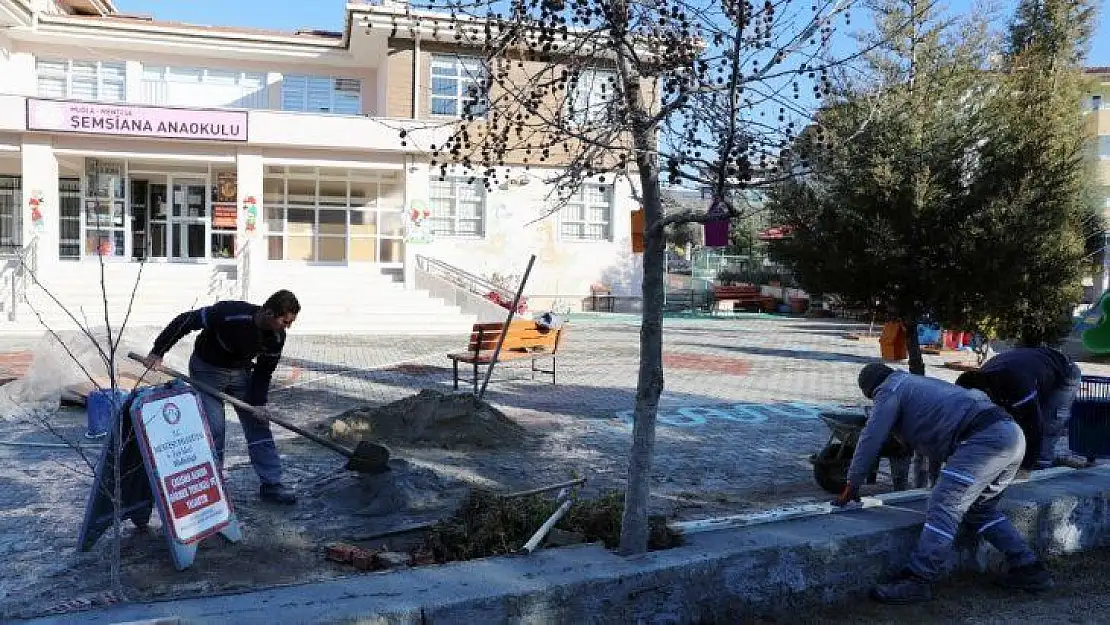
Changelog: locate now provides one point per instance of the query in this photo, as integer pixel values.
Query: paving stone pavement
(736, 427)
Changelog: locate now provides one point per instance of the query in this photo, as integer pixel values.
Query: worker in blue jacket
(1038, 386)
(237, 351)
(981, 447)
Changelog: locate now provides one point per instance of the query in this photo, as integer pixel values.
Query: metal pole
(508, 321)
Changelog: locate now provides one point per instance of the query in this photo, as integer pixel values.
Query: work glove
(848, 495)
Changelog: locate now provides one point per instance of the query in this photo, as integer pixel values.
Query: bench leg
(456, 363)
(475, 376)
(553, 369)
(533, 369)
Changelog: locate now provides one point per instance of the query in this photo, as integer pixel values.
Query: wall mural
(418, 225)
(250, 207)
(36, 204)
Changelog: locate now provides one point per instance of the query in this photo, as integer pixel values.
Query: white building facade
(228, 162)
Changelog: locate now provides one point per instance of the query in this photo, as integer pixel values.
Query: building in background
(229, 162)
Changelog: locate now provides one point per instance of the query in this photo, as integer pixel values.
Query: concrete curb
(720, 576)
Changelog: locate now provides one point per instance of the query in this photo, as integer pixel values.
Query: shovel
(367, 457)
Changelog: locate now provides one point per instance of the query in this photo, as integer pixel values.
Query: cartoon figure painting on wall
(35, 202)
(418, 227)
(251, 208)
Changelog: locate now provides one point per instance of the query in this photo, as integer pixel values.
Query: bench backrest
(522, 335)
(739, 290)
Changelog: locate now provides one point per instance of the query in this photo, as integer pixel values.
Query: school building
(229, 162)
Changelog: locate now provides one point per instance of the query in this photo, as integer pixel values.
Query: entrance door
(188, 219)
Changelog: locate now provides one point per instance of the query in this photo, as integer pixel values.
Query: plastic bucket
(101, 407)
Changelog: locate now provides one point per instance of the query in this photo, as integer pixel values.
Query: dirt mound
(431, 418)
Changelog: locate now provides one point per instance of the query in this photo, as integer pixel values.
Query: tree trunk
(917, 363)
(649, 385)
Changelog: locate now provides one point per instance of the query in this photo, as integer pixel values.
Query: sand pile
(431, 418)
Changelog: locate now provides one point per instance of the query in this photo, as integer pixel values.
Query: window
(81, 80)
(589, 214)
(591, 97)
(321, 94)
(1096, 102)
(198, 86)
(333, 215)
(458, 86)
(1104, 147)
(458, 206)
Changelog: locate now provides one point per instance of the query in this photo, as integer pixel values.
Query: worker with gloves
(1037, 385)
(981, 447)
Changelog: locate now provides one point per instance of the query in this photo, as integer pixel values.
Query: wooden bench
(523, 340)
(743, 295)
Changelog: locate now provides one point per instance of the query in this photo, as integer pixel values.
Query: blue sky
(328, 14)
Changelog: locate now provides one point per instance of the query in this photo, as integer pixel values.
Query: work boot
(278, 493)
(904, 588)
(1031, 578)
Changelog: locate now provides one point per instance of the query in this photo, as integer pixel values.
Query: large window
(458, 206)
(321, 94)
(11, 212)
(333, 215)
(458, 86)
(588, 216)
(591, 98)
(1104, 147)
(81, 80)
(198, 86)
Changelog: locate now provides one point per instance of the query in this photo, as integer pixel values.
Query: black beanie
(871, 376)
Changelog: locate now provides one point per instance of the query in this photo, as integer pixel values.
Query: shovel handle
(238, 403)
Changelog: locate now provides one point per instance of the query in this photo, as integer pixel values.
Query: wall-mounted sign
(224, 216)
(136, 121)
(226, 186)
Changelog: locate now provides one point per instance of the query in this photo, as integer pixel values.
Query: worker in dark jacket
(981, 448)
(1037, 385)
(238, 348)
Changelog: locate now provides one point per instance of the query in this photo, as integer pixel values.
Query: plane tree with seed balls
(700, 93)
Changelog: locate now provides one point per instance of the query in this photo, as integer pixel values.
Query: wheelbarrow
(830, 465)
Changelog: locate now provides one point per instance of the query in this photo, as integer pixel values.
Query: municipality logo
(171, 413)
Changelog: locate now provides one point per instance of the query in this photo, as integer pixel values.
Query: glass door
(188, 219)
(105, 208)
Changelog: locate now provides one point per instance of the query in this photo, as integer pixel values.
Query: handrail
(426, 263)
(26, 263)
(243, 270)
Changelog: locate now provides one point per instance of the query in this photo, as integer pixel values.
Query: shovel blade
(369, 458)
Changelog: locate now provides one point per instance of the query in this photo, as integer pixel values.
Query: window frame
(593, 112)
(462, 76)
(67, 75)
(456, 181)
(333, 90)
(580, 201)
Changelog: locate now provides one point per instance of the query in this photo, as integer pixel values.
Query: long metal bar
(545, 489)
(505, 328)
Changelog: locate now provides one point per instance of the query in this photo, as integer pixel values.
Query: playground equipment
(1096, 335)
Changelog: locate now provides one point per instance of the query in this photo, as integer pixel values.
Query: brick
(365, 560)
(391, 559)
(341, 552)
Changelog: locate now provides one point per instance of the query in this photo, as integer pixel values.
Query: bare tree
(706, 93)
(107, 350)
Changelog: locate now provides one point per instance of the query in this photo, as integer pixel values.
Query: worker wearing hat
(981, 447)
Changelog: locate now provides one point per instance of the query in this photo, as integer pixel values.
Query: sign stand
(166, 460)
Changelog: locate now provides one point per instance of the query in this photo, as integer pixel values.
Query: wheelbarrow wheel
(830, 467)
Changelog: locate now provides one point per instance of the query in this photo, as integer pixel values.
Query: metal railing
(461, 278)
(243, 270)
(458, 287)
(19, 263)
